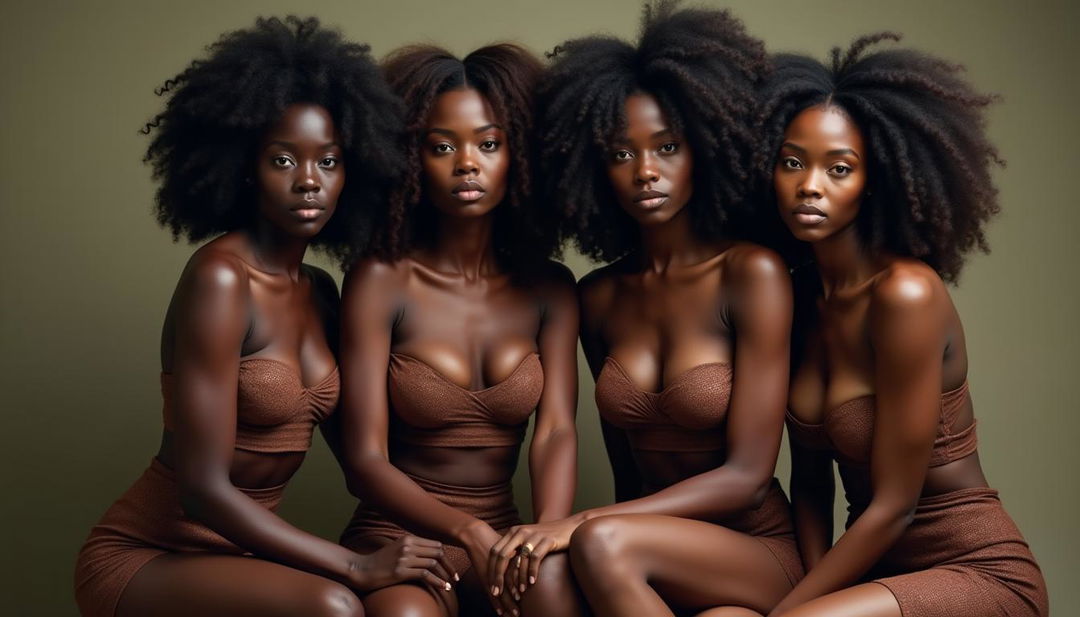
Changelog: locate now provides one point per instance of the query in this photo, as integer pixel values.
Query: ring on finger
(527, 548)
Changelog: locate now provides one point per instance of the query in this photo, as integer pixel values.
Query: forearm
(812, 506)
(553, 470)
(861, 546)
(239, 519)
(707, 496)
(377, 481)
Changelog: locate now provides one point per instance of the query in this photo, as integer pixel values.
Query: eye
(790, 162)
(329, 162)
(282, 161)
(489, 145)
(669, 148)
(443, 148)
(840, 170)
(620, 156)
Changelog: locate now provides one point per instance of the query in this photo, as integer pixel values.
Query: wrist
(357, 571)
(474, 532)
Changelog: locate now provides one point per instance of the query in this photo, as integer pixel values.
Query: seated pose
(254, 143)
(646, 150)
(456, 327)
(880, 164)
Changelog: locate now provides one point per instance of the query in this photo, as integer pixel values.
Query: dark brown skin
(680, 303)
(451, 307)
(886, 327)
(246, 295)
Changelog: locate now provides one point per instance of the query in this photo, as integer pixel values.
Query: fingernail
(446, 586)
(521, 588)
(456, 577)
(494, 591)
(515, 611)
(498, 611)
(532, 580)
(516, 597)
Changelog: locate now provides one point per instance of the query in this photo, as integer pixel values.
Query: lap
(210, 584)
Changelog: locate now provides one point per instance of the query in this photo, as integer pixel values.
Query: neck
(463, 246)
(673, 244)
(842, 262)
(276, 252)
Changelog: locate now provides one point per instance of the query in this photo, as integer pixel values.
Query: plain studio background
(86, 274)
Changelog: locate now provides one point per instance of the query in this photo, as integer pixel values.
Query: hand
(408, 558)
(514, 561)
(477, 541)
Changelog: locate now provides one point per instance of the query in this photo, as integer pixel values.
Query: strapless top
(430, 410)
(686, 416)
(274, 411)
(848, 430)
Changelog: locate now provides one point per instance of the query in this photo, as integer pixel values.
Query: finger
(429, 577)
(439, 554)
(510, 579)
(429, 563)
(500, 555)
(506, 603)
(424, 542)
(538, 554)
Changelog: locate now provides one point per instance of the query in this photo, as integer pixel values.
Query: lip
(469, 190)
(808, 215)
(650, 199)
(308, 210)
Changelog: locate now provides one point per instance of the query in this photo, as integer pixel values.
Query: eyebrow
(450, 133)
(838, 151)
(622, 139)
(289, 144)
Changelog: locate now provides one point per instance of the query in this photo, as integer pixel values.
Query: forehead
(644, 115)
(825, 128)
(466, 108)
(303, 121)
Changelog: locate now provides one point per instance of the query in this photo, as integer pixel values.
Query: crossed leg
(640, 564)
(866, 600)
(183, 584)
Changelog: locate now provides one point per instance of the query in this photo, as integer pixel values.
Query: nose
(811, 185)
(307, 180)
(645, 172)
(465, 163)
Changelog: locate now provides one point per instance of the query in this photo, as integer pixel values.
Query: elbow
(892, 519)
(197, 499)
(761, 490)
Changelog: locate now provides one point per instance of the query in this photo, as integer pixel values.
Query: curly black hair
(930, 191)
(702, 68)
(204, 142)
(506, 76)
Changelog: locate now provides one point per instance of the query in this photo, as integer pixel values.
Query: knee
(599, 541)
(405, 601)
(554, 592)
(334, 600)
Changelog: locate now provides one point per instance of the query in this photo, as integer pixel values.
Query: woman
(880, 164)
(456, 328)
(647, 151)
(254, 145)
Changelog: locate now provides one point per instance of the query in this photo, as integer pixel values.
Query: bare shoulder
(376, 275)
(215, 268)
(907, 285)
(597, 288)
(555, 283)
(746, 263)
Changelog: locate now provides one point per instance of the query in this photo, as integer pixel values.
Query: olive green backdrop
(86, 275)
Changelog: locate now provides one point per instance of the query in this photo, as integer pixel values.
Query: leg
(555, 592)
(867, 600)
(182, 584)
(638, 564)
(729, 611)
(404, 601)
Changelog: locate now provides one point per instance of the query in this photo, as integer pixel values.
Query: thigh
(554, 592)
(184, 584)
(409, 600)
(866, 600)
(696, 565)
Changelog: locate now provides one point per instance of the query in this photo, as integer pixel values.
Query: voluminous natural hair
(702, 68)
(506, 76)
(929, 186)
(204, 143)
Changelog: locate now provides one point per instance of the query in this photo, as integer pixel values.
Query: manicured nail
(532, 580)
(446, 586)
(456, 577)
(494, 591)
(498, 611)
(515, 611)
(521, 588)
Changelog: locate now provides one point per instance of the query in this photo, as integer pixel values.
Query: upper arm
(212, 317)
(368, 309)
(907, 326)
(760, 300)
(557, 342)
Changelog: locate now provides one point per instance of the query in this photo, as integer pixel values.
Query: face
(650, 167)
(300, 170)
(820, 174)
(464, 155)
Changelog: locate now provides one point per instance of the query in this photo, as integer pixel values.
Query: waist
(248, 468)
(960, 475)
(470, 434)
(477, 467)
(673, 438)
